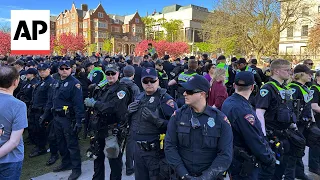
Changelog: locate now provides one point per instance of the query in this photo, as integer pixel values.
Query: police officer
(303, 96)
(150, 113)
(274, 108)
(19, 65)
(38, 104)
(110, 106)
(167, 66)
(183, 77)
(67, 106)
(242, 65)
(26, 92)
(198, 130)
(163, 77)
(250, 146)
(96, 75)
(314, 152)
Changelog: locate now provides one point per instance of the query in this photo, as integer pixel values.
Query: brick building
(96, 26)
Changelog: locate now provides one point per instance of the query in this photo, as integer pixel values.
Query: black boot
(53, 159)
(74, 175)
(37, 152)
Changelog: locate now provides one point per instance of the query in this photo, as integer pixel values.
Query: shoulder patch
(227, 120)
(170, 103)
(94, 74)
(263, 92)
(250, 118)
(121, 94)
(78, 86)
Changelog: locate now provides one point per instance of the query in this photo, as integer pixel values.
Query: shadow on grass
(33, 167)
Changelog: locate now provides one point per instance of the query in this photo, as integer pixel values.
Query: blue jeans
(10, 171)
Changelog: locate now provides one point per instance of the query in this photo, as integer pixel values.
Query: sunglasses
(110, 73)
(147, 81)
(311, 64)
(67, 68)
(191, 92)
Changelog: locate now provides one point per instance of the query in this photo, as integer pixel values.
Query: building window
(318, 9)
(73, 16)
(103, 25)
(289, 50)
(100, 15)
(290, 32)
(85, 34)
(116, 21)
(133, 29)
(85, 24)
(304, 30)
(305, 11)
(123, 29)
(137, 20)
(116, 29)
(80, 25)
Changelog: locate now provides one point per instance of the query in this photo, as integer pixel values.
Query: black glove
(188, 177)
(148, 115)
(133, 107)
(42, 122)
(77, 128)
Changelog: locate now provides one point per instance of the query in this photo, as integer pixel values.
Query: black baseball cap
(254, 61)
(149, 72)
(242, 61)
(196, 82)
(31, 63)
(234, 59)
(64, 62)
(159, 62)
(32, 71)
(244, 78)
(166, 57)
(302, 68)
(112, 67)
(43, 66)
(221, 57)
(19, 62)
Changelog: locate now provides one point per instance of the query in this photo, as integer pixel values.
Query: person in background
(218, 91)
(151, 49)
(253, 64)
(210, 68)
(13, 120)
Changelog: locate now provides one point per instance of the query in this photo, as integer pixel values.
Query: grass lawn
(33, 167)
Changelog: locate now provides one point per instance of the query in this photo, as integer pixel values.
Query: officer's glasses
(110, 73)
(67, 68)
(192, 92)
(147, 81)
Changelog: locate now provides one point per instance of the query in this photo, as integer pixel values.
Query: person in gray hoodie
(128, 73)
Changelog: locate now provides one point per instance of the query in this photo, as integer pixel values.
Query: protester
(218, 91)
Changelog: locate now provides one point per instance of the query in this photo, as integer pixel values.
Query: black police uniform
(168, 67)
(314, 152)
(146, 133)
(276, 99)
(40, 97)
(67, 105)
(23, 79)
(303, 114)
(163, 79)
(111, 109)
(250, 147)
(182, 78)
(25, 94)
(205, 151)
(137, 76)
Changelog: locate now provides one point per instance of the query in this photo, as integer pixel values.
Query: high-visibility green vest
(316, 86)
(103, 82)
(307, 96)
(226, 67)
(281, 90)
(183, 77)
(161, 75)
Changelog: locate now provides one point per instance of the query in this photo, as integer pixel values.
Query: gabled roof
(53, 18)
(81, 13)
(88, 13)
(128, 18)
(114, 17)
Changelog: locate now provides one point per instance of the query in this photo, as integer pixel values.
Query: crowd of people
(183, 118)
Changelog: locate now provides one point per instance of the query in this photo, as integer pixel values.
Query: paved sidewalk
(87, 171)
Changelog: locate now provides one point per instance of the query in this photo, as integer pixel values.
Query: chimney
(84, 7)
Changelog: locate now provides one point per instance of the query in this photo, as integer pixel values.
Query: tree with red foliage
(5, 43)
(69, 43)
(163, 47)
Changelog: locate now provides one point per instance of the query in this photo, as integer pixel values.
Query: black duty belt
(149, 146)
